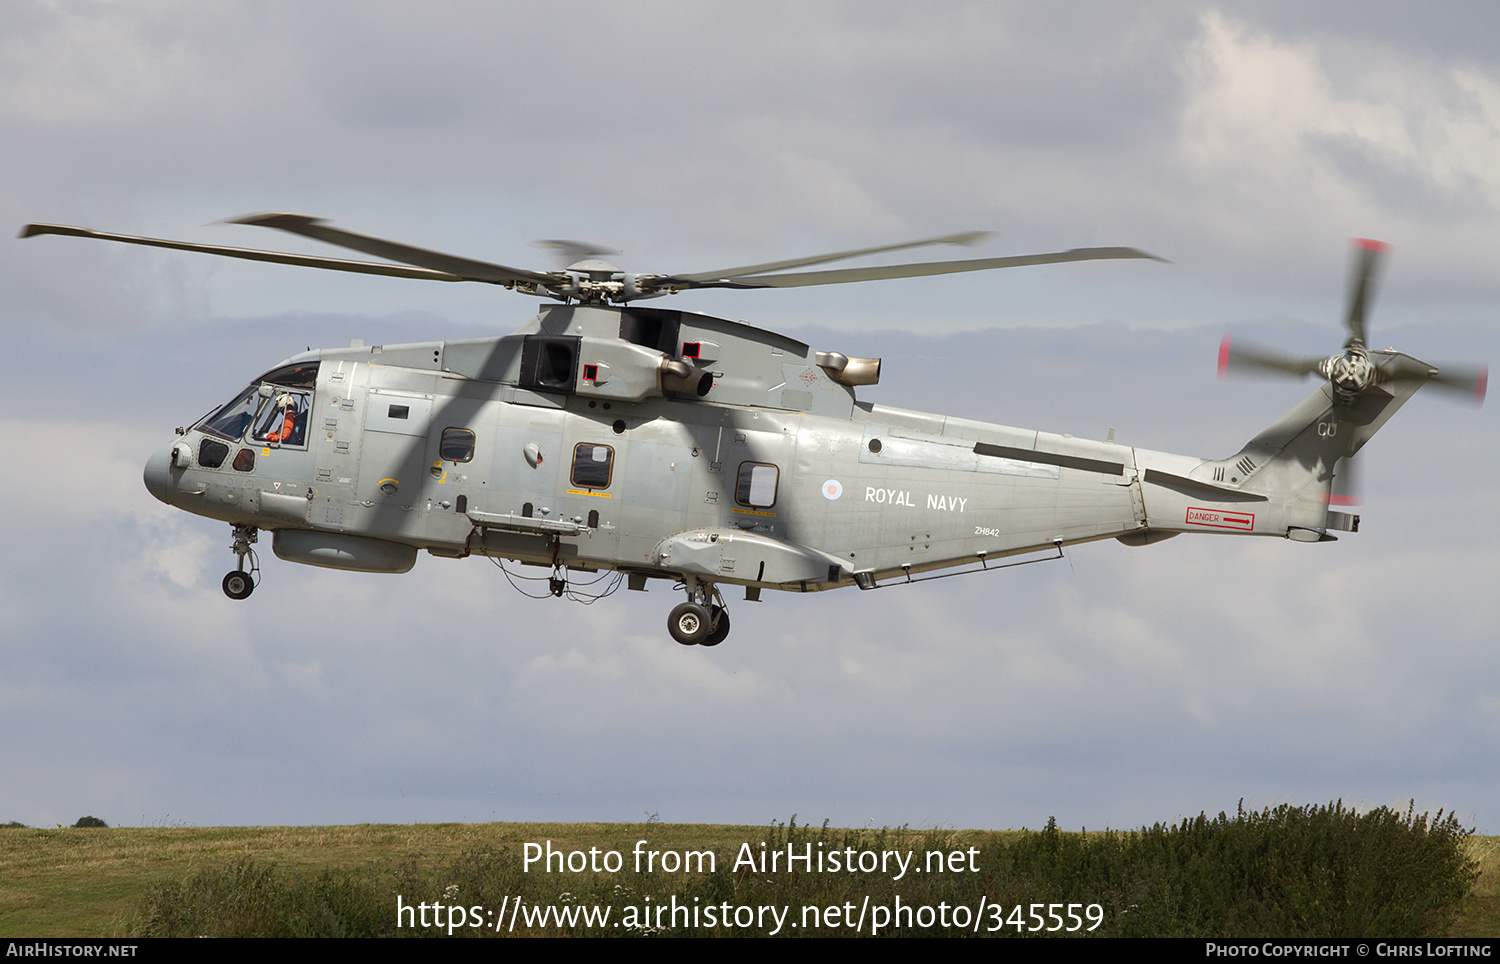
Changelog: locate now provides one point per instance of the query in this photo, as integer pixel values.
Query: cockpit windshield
(231, 421)
(277, 403)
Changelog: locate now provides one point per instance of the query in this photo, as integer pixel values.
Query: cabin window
(592, 465)
(756, 485)
(457, 445)
(244, 460)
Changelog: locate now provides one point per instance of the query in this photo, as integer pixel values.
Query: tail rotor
(1356, 370)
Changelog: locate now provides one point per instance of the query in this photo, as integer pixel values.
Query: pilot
(288, 430)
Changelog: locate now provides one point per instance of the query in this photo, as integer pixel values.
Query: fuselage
(558, 445)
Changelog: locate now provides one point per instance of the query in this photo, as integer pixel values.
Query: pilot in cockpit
(286, 422)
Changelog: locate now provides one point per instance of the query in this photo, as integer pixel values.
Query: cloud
(1400, 146)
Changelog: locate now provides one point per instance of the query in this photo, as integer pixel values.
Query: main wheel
(689, 624)
(719, 619)
(238, 585)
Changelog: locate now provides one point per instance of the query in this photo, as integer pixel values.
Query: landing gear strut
(240, 583)
(702, 620)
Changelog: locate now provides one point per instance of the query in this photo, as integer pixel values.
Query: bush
(1284, 872)
(90, 822)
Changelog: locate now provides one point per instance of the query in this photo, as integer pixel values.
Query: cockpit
(274, 410)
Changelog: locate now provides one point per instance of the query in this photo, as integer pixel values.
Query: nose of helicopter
(158, 474)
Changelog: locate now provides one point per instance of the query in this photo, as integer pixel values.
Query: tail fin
(1293, 462)
(1281, 482)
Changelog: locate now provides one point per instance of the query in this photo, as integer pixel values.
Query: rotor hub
(1351, 372)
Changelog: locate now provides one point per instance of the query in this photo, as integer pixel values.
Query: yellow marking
(265, 451)
(597, 495)
(384, 481)
(754, 512)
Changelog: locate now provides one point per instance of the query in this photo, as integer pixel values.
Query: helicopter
(606, 441)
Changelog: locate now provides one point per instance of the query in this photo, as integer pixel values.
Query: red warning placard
(1220, 519)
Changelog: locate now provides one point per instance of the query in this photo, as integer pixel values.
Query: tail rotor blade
(1345, 493)
(1467, 381)
(1362, 291)
(1241, 357)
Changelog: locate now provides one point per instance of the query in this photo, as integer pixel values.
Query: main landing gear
(702, 620)
(241, 582)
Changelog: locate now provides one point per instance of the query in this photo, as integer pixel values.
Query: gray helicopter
(606, 441)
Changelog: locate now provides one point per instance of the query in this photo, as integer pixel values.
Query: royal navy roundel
(832, 489)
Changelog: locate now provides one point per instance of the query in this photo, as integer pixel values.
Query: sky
(1244, 143)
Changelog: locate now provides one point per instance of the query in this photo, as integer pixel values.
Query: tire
(238, 585)
(688, 624)
(719, 617)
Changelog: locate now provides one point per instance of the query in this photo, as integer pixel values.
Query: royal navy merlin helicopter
(604, 439)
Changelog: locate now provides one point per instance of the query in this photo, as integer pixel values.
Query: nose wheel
(702, 620)
(240, 583)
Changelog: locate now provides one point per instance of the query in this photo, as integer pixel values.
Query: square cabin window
(457, 445)
(756, 485)
(592, 465)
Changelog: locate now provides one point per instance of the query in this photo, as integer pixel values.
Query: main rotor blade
(567, 252)
(250, 254)
(465, 268)
(966, 238)
(880, 273)
(1361, 292)
(1240, 357)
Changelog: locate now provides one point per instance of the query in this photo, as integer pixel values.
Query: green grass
(1288, 871)
(1479, 914)
(93, 883)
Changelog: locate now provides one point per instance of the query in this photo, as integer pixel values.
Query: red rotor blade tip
(1224, 356)
(1481, 384)
(1369, 245)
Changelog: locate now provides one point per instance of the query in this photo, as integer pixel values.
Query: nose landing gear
(702, 620)
(241, 582)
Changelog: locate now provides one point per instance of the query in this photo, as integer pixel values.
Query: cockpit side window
(284, 420)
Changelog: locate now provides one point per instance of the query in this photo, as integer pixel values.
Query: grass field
(99, 883)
